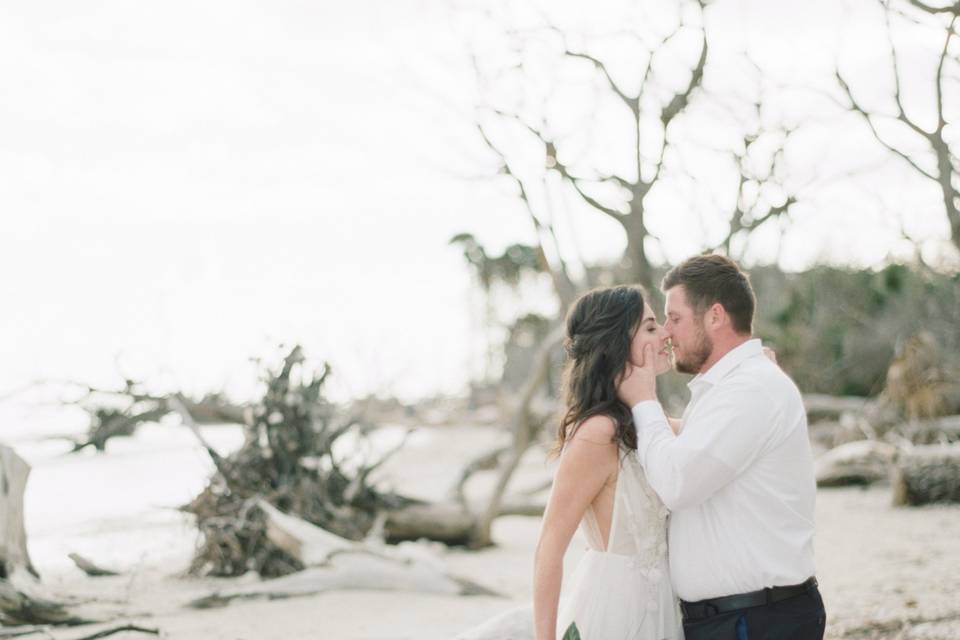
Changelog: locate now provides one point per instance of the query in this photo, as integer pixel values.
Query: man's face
(691, 344)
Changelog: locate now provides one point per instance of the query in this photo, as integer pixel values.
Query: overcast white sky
(186, 184)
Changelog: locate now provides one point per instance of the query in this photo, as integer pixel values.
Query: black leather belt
(712, 607)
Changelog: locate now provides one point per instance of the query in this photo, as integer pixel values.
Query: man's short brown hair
(709, 279)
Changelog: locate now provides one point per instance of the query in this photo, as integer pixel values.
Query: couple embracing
(698, 527)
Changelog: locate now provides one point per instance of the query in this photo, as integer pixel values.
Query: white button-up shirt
(738, 479)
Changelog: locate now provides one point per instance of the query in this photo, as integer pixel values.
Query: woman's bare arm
(588, 461)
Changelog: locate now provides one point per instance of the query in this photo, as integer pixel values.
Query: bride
(621, 589)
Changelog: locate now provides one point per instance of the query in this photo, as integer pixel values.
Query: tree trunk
(946, 182)
(640, 270)
(450, 524)
(523, 428)
(927, 474)
(20, 600)
(453, 524)
(13, 536)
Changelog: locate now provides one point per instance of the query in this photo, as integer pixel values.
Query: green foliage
(507, 268)
(836, 330)
(572, 633)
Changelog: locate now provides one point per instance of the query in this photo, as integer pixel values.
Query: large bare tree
(590, 122)
(612, 152)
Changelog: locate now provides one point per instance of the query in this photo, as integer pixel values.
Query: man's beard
(692, 360)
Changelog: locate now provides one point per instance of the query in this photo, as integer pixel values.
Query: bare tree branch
(563, 285)
(632, 103)
(679, 101)
(941, 123)
(946, 171)
(673, 108)
(950, 8)
(593, 202)
(577, 177)
(868, 117)
(564, 171)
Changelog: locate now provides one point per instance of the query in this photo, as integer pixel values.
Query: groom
(738, 478)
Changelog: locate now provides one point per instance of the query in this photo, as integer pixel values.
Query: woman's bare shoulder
(597, 429)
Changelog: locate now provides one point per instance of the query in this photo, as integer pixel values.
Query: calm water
(118, 508)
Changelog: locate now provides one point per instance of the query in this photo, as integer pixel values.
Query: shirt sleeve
(729, 430)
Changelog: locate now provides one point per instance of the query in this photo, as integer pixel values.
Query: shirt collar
(728, 363)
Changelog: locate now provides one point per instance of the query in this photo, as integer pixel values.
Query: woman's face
(649, 332)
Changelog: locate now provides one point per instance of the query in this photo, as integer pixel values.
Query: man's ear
(716, 316)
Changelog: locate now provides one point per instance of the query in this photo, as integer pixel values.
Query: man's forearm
(681, 476)
(649, 421)
(652, 427)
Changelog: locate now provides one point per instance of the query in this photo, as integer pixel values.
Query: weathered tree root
(113, 630)
(335, 563)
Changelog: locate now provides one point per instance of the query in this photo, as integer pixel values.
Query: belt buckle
(698, 610)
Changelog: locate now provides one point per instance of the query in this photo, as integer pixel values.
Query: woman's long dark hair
(600, 327)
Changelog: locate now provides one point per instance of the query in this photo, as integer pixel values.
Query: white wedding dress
(622, 591)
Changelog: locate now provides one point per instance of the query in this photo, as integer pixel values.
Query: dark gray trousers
(799, 618)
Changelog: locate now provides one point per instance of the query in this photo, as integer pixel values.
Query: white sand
(875, 562)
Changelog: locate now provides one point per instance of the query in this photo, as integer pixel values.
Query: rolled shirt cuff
(649, 414)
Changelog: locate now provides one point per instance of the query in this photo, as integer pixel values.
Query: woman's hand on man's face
(638, 383)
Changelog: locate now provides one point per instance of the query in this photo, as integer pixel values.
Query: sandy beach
(878, 565)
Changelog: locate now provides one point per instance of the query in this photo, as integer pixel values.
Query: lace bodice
(622, 591)
(638, 528)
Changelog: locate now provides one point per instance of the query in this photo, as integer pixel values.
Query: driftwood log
(335, 563)
(292, 457)
(45, 632)
(820, 406)
(934, 431)
(876, 420)
(449, 523)
(314, 459)
(89, 567)
(927, 474)
(452, 524)
(850, 427)
(301, 453)
(13, 537)
(855, 463)
(21, 599)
